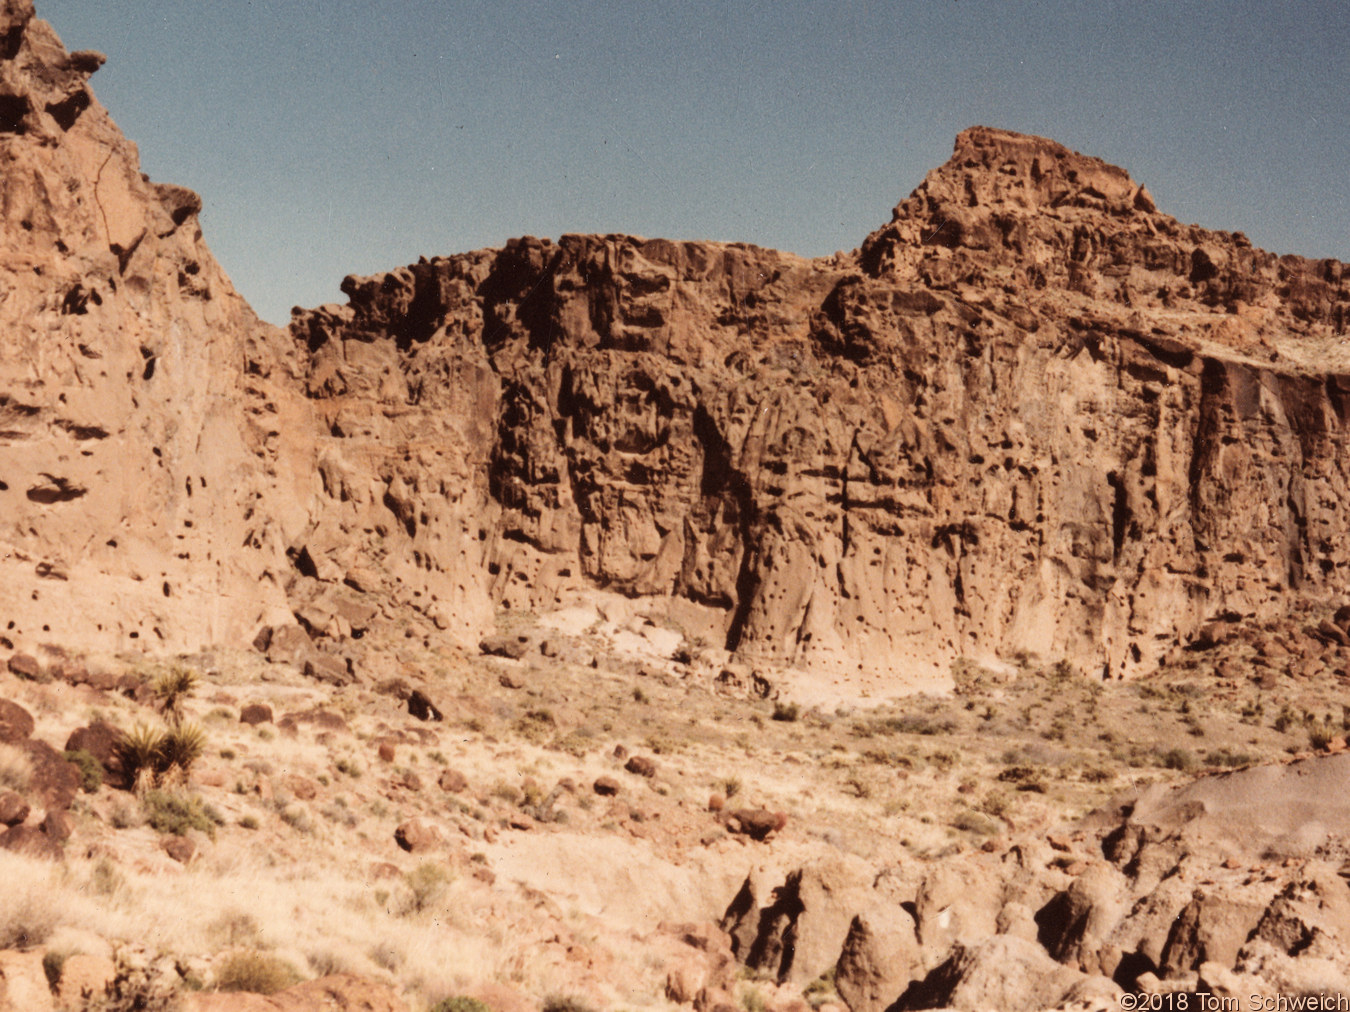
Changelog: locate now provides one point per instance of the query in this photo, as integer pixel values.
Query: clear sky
(330, 137)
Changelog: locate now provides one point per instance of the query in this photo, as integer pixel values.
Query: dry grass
(16, 771)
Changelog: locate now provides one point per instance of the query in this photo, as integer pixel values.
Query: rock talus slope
(1031, 413)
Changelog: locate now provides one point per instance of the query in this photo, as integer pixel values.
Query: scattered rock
(452, 782)
(421, 706)
(23, 982)
(606, 786)
(328, 668)
(386, 752)
(16, 723)
(55, 780)
(30, 840)
(877, 962)
(101, 739)
(416, 837)
(84, 975)
(255, 713)
(756, 823)
(180, 848)
(13, 809)
(25, 666)
(508, 682)
(641, 765)
(513, 647)
(58, 825)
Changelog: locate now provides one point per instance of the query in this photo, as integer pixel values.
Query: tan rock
(83, 976)
(23, 983)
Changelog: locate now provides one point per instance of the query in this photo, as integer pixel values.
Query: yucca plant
(171, 687)
(181, 746)
(141, 752)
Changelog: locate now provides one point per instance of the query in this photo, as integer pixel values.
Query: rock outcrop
(139, 439)
(1032, 412)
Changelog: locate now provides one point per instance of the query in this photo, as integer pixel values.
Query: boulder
(84, 976)
(25, 666)
(513, 647)
(16, 723)
(13, 809)
(101, 739)
(642, 765)
(606, 786)
(255, 713)
(421, 706)
(879, 959)
(55, 780)
(417, 837)
(1005, 973)
(23, 983)
(452, 782)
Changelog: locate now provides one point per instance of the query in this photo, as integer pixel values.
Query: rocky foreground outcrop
(1231, 886)
(1032, 412)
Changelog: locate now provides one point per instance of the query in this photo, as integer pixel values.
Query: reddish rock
(13, 809)
(641, 765)
(101, 739)
(507, 682)
(386, 752)
(514, 647)
(16, 723)
(303, 788)
(180, 848)
(30, 840)
(58, 825)
(620, 752)
(421, 706)
(289, 644)
(329, 669)
(55, 780)
(408, 780)
(416, 837)
(606, 786)
(519, 820)
(383, 869)
(756, 823)
(452, 781)
(716, 803)
(256, 713)
(25, 666)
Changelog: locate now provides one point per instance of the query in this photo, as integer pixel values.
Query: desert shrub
(248, 822)
(16, 770)
(1027, 778)
(975, 822)
(1227, 757)
(426, 884)
(639, 696)
(916, 723)
(1285, 718)
(565, 1003)
(1319, 736)
(461, 1003)
(348, 767)
(255, 971)
(91, 770)
(234, 929)
(175, 814)
(731, 786)
(298, 819)
(1177, 759)
(1098, 775)
(386, 956)
(26, 920)
(787, 712)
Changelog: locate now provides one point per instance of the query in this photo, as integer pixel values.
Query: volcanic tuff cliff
(1031, 413)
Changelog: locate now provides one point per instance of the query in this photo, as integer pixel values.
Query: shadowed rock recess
(1031, 413)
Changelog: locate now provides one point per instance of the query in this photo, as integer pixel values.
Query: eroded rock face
(141, 445)
(1033, 413)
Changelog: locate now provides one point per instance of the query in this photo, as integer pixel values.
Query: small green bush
(461, 1003)
(91, 770)
(1177, 759)
(177, 813)
(256, 972)
(426, 884)
(565, 1003)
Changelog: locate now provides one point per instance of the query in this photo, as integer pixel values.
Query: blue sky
(338, 137)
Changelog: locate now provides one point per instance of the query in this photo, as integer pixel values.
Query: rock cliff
(138, 432)
(1031, 413)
